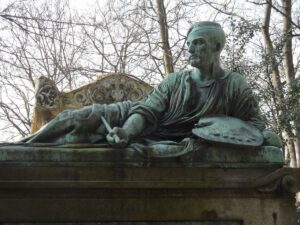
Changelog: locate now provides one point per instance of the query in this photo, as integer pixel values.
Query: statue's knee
(64, 114)
(272, 139)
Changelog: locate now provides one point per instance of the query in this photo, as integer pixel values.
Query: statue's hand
(118, 137)
(203, 124)
(272, 139)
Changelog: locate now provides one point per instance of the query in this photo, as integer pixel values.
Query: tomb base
(93, 192)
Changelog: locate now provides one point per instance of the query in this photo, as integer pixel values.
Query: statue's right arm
(143, 117)
(133, 126)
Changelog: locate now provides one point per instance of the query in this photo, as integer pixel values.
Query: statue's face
(200, 49)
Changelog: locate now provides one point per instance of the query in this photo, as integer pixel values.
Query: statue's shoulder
(236, 79)
(180, 74)
(177, 77)
(234, 76)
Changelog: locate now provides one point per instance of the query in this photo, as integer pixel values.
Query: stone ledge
(67, 185)
(205, 156)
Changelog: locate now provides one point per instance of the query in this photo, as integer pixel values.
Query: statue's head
(205, 42)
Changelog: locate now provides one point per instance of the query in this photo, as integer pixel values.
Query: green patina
(161, 124)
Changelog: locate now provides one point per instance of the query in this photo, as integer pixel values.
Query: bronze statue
(172, 113)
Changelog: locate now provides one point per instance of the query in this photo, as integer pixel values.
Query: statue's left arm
(242, 102)
(244, 105)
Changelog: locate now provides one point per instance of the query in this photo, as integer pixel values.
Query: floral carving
(46, 92)
(112, 89)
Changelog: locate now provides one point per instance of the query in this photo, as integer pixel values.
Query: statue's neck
(208, 73)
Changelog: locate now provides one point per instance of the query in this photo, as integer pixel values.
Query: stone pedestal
(61, 187)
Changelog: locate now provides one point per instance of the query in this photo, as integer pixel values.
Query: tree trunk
(277, 85)
(288, 66)
(164, 37)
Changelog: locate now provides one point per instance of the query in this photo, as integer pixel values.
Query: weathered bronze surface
(197, 154)
(228, 130)
(146, 166)
(165, 119)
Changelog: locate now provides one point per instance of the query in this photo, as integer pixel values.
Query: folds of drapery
(171, 111)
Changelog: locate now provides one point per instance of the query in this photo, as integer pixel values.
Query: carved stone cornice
(113, 87)
(286, 180)
(108, 89)
(46, 92)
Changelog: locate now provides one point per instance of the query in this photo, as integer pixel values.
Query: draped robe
(171, 110)
(178, 102)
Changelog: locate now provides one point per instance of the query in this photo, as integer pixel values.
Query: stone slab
(69, 185)
(205, 156)
(92, 193)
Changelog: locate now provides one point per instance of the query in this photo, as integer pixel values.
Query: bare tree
(278, 85)
(39, 43)
(116, 38)
(164, 36)
(147, 39)
(290, 75)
